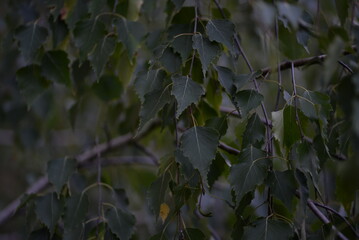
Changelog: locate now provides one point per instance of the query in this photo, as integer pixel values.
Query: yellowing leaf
(164, 211)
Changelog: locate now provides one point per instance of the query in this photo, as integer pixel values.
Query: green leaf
(49, 209)
(268, 229)
(285, 127)
(103, 50)
(249, 173)
(76, 210)
(74, 233)
(32, 85)
(303, 193)
(96, 7)
(199, 145)
(283, 186)
(59, 31)
(288, 43)
(181, 44)
(154, 102)
(77, 13)
(291, 12)
(217, 167)
(290, 126)
(190, 174)
(170, 60)
(254, 132)
(31, 38)
(186, 92)
(316, 105)
(108, 88)
(227, 78)
(147, 81)
(59, 171)
(55, 7)
(130, 34)
(219, 124)
(40, 234)
(207, 50)
(159, 236)
(178, 3)
(88, 33)
(247, 100)
(342, 7)
(194, 233)
(221, 31)
(307, 160)
(121, 223)
(55, 67)
(157, 192)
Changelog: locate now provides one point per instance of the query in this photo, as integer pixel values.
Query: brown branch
(304, 62)
(82, 159)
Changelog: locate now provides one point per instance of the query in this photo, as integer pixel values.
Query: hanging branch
(301, 62)
(240, 49)
(82, 159)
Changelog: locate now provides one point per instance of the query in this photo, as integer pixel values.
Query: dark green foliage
(186, 118)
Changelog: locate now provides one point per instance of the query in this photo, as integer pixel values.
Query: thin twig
(324, 219)
(146, 151)
(240, 49)
(82, 159)
(345, 66)
(229, 149)
(301, 62)
(339, 215)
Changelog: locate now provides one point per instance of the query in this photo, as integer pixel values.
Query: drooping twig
(82, 159)
(324, 219)
(240, 49)
(339, 215)
(143, 149)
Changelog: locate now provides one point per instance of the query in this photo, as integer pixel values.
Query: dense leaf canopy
(179, 119)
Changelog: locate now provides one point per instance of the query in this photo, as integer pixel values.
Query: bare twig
(240, 49)
(339, 215)
(82, 159)
(229, 149)
(152, 156)
(324, 219)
